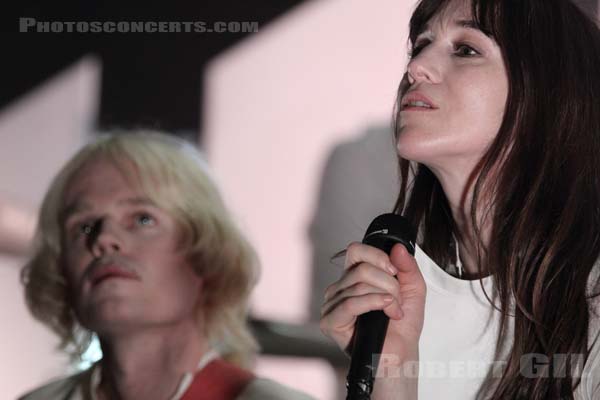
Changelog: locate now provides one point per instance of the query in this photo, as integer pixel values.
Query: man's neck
(148, 364)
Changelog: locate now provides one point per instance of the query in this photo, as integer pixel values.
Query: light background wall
(276, 105)
(38, 133)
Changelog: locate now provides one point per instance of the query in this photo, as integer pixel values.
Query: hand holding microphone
(383, 279)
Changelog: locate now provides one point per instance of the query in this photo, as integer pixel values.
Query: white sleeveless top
(456, 349)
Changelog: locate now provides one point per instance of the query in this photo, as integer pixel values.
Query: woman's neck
(458, 189)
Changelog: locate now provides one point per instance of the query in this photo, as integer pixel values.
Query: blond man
(135, 245)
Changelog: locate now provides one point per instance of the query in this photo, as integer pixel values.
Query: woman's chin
(413, 151)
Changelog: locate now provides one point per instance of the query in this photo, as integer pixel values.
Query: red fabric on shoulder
(219, 380)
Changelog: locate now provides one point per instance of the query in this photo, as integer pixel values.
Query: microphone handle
(369, 333)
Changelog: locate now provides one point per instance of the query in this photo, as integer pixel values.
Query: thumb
(403, 261)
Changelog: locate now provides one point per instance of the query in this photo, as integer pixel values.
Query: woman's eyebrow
(460, 23)
(467, 23)
(471, 25)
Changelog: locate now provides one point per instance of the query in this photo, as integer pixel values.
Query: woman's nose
(424, 68)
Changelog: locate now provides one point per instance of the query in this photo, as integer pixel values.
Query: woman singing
(498, 137)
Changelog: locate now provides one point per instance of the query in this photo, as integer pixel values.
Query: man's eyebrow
(137, 201)
(72, 209)
(77, 206)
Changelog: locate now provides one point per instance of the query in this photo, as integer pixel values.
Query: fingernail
(390, 268)
(388, 299)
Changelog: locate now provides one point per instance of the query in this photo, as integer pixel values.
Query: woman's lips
(416, 101)
(409, 108)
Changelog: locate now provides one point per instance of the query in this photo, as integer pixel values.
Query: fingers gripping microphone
(369, 332)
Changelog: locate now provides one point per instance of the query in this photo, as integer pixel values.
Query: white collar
(184, 383)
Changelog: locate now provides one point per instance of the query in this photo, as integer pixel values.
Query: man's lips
(110, 271)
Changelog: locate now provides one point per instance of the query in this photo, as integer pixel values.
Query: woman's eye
(416, 49)
(463, 50)
(145, 219)
(414, 52)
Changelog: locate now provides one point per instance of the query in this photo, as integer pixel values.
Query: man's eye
(144, 219)
(86, 229)
(83, 228)
(463, 50)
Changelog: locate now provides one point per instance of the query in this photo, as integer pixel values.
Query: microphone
(369, 332)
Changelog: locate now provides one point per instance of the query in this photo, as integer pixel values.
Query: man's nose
(104, 238)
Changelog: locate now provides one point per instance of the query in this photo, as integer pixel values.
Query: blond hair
(172, 174)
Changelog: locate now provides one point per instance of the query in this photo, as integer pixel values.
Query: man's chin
(110, 315)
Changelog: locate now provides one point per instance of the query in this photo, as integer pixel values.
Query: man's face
(121, 256)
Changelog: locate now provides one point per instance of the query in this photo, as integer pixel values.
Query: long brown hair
(545, 234)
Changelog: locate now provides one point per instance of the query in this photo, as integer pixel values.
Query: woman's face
(456, 89)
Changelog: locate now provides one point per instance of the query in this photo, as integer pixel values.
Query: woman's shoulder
(266, 389)
(593, 293)
(58, 389)
(590, 378)
(590, 382)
